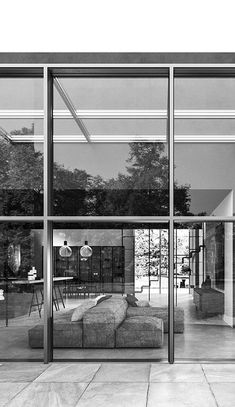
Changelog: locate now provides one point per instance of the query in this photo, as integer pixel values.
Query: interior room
(90, 262)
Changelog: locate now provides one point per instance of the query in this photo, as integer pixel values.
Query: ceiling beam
(72, 109)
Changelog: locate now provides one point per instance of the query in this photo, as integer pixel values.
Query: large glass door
(110, 291)
(204, 287)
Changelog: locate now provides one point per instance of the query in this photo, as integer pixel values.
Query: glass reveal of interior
(204, 145)
(21, 289)
(110, 292)
(110, 146)
(204, 289)
(21, 148)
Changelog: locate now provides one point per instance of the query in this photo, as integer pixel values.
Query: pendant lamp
(86, 251)
(65, 250)
(2, 295)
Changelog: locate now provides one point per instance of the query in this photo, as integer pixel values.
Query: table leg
(55, 300)
(60, 295)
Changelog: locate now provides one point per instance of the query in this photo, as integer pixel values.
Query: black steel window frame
(48, 71)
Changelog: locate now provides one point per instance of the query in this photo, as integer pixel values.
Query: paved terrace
(117, 384)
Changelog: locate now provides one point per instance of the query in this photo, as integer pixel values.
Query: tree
(151, 252)
(142, 190)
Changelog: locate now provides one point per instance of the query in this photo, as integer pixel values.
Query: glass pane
(21, 291)
(204, 129)
(204, 93)
(204, 146)
(115, 93)
(21, 148)
(130, 128)
(204, 289)
(113, 261)
(113, 160)
(204, 179)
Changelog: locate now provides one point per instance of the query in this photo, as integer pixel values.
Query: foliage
(151, 252)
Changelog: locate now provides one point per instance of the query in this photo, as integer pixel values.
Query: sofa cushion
(100, 322)
(140, 332)
(131, 300)
(102, 298)
(79, 312)
(162, 313)
(143, 304)
(66, 334)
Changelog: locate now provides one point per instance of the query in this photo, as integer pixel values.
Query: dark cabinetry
(104, 270)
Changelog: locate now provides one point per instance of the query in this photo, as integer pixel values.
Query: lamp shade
(2, 295)
(65, 250)
(86, 251)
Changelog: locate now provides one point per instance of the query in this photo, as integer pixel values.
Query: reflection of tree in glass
(142, 190)
(20, 176)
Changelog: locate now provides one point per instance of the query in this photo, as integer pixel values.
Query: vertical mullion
(48, 243)
(171, 211)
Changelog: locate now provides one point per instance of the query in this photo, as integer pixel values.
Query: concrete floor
(117, 384)
(203, 339)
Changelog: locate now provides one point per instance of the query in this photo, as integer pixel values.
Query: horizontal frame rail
(119, 114)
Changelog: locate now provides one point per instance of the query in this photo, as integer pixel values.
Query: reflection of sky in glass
(105, 159)
(21, 93)
(204, 93)
(114, 93)
(209, 169)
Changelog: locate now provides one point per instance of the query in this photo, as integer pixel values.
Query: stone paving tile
(216, 373)
(185, 373)
(123, 372)
(69, 372)
(180, 395)
(114, 395)
(224, 394)
(49, 395)
(116, 384)
(9, 390)
(21, 371)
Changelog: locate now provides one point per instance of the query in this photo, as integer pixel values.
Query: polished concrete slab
(117, 385)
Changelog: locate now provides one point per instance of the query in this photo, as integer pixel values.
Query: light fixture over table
(65, 250)
(86, 251)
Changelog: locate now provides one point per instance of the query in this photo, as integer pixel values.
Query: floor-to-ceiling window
(204, 250)
(71, 267)
(110, 147)
(21, 197)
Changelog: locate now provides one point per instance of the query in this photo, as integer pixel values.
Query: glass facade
(21, 139)
(21, 289)
(204, 287)
(204, 148)
(116, 213)
(114, 160)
